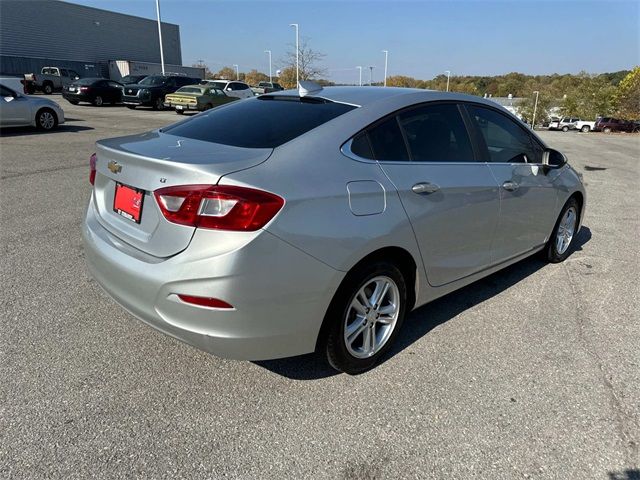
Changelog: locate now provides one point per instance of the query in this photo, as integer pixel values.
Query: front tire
(97, 102)
(46, 119)
(47, 89)
(565, 129)
(365, 317)
(564, 233)
(131, 107)
(180, 112)
(606, 129)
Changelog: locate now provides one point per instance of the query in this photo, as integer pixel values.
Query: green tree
(627, 96)
(526, 106)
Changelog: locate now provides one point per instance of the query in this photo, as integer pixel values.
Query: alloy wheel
(47, 120)
(371, 317)
(566, 230)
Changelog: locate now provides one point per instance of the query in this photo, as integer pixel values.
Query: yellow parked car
(196, 97)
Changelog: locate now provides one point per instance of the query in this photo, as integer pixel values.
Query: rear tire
(97, 101)
(564, 233)
(73, 102)
(585, 129)
(180, 112)
(565, 129)
(46, 119)
(158, 104)
(358, 336)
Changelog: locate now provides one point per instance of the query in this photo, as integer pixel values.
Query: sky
(424, 38)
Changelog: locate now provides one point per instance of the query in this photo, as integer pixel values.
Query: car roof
(362, 96)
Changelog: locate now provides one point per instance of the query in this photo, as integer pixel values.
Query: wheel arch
(399, 257)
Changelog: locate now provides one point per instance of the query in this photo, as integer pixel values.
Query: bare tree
(308, 58)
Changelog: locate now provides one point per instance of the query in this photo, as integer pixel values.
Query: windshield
(153, 80)
(250, 123)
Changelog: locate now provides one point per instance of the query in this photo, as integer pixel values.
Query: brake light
(205, 301)
(84, 89)
(218, 207)
(92, 168)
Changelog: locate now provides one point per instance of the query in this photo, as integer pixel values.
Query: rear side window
(387, 142)
(263, 122)
(436, 133)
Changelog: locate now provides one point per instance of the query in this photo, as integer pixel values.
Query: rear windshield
(264, 122)
(88, 81)
(189, 90)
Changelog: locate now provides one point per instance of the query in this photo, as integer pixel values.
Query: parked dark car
(96, 91)
(608, 125)
(152, 89)
(128, 79)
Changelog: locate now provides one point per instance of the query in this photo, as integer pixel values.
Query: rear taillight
(92, 169)
(84, 89)
(218, 207)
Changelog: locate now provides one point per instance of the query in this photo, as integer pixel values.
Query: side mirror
(552, 158)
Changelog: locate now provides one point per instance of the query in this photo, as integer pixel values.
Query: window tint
(64, 73)
(436, 133)
(241, 86)
(250, 123)
(387, 142)
(5, 92)
(507, 142)
(361, 146)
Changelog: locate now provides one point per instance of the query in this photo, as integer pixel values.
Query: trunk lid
(155, 160)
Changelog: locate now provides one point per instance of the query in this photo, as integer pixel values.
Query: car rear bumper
(279, 293)
(182, 106)
(82, 97)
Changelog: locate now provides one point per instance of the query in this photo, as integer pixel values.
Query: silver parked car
(19, 110)
(316, 220)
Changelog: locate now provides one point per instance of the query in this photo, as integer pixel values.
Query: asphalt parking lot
(533, 372)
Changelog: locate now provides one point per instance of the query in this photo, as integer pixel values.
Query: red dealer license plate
(128, 202)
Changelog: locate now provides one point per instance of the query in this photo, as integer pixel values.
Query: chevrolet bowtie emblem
(114, 166)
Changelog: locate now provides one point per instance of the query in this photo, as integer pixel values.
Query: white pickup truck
(49, 80)
(584, 126)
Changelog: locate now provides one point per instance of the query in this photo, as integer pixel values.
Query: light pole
(386, 58)
(269, 52)
(448, 75)
(237, 72)
(535, 107)
(297, 27)
(360, 68)
(160, 35)
(371, 67)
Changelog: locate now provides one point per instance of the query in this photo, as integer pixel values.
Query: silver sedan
(19, 110)
(316, 219)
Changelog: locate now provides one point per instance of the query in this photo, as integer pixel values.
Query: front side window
(506, 141)
(436, 133)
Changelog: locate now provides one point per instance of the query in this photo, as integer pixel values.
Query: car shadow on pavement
(424, 319)
(629, 474)
(24, 131)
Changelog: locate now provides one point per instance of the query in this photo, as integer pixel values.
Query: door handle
(425, 188)
(510, 186)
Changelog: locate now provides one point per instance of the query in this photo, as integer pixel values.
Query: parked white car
(19, 110)
(584, 126)
(565, 124)
(231, 88)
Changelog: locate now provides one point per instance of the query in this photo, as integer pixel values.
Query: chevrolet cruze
(316, 219)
